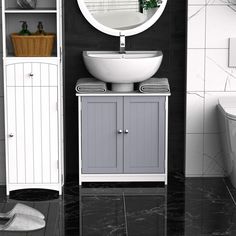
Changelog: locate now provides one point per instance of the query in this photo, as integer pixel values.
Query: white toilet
(227, 117)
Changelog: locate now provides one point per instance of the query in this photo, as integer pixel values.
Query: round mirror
(122, 17)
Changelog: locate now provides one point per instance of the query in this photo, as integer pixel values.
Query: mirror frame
(116, 32)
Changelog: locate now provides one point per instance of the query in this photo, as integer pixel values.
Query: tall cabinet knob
(126, 131)
(11, 135)
(120, 131)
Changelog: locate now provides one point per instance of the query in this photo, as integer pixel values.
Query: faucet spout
(122, 44)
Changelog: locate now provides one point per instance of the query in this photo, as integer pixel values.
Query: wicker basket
(33, 45)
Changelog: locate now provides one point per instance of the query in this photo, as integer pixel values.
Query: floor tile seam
(126, 222)
(231, 195)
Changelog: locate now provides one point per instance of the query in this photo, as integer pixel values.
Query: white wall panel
(213, 156)
(194, 155)
(195, 70)
(222, 2)
(220, 25)
(195, 108)
(210, 24)
(219, 77)
(196, 27)
(196, 2)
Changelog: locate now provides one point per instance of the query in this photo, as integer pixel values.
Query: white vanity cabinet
(123, 137)
(33, 97)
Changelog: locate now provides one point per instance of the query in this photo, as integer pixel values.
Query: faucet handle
(122, 40)
(122, 43)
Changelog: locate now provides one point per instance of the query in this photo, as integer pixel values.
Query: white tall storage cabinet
(33, 94)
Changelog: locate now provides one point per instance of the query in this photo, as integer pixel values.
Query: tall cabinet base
(12, 187)
(123, 178)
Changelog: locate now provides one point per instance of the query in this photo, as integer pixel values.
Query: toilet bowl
(227, 119)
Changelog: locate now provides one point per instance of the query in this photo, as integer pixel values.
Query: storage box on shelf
(33, 45)
(33, 97)
(13, 25)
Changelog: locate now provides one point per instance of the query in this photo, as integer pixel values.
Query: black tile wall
(167, 34)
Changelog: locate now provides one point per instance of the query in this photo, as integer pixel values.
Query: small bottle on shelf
(40, 30)
(24, 30)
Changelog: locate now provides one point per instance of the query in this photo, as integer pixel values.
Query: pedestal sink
(122, 70)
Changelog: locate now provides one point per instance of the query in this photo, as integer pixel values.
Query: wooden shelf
(11, 56)
(24, 11)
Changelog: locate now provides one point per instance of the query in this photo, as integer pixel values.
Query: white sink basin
(122, 70)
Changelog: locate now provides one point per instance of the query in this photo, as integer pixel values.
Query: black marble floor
(190, 207)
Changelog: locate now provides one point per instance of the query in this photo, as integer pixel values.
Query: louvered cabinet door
(32, 124)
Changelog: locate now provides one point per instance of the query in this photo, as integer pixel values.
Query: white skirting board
(123, 178)
(12, 187)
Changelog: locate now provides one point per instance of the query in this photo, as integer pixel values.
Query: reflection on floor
(188, 207)
(52, 210)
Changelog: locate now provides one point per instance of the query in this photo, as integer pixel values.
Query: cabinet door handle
(11, 135)
(126, 131)
(31, 74)
(120, 131)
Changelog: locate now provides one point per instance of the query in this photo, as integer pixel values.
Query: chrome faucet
(122, 44)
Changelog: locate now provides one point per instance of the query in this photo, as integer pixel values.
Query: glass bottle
(24, 30)
(40, 30)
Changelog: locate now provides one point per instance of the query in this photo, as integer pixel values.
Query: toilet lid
(230, 112)
(228, 105)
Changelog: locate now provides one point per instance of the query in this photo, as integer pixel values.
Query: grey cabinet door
(102, 145)
(144, 144)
